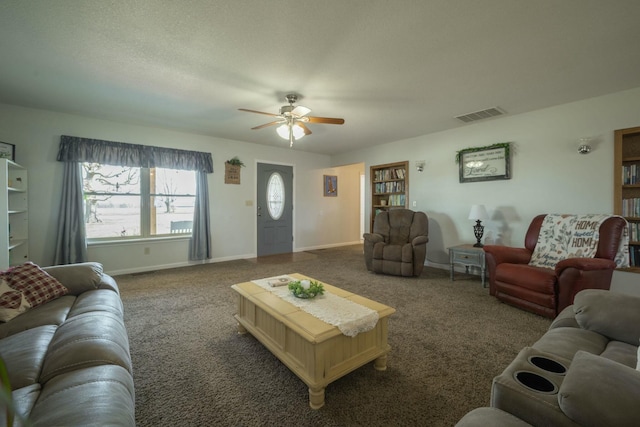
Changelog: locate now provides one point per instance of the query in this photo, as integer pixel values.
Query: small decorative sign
(330, 186)
(484, 163)
(231, 173)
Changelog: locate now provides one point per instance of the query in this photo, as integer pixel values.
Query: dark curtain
(75, 149)
(71, 243)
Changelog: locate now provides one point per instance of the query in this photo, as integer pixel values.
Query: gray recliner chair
(398, 244)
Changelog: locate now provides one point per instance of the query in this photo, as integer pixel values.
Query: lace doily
(350, 317)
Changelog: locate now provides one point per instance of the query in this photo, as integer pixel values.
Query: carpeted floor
(448, 340)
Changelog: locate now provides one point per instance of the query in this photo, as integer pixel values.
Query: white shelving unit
(14, 214)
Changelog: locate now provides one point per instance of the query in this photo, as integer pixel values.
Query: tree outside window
(127, 202)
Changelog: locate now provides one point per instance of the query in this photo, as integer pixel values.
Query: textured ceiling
(391, 69)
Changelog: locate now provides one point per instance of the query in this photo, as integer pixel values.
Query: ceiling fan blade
(304, 127)
(326, 120)
(259, 112)
(267, 125)
(300, 111)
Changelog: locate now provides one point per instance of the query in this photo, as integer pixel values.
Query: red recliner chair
(546, 291)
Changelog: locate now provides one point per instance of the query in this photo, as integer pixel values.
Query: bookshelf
(626, 188)
(14, 220)
(389, 187)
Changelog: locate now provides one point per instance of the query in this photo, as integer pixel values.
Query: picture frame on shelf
(330, 186)
(484, 163)
(7, 151)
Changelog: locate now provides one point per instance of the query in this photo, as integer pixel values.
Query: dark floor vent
(480, 115)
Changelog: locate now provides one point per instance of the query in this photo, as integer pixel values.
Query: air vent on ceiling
(480, 115)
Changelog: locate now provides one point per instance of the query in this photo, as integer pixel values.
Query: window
(125, 202)
(275, 195)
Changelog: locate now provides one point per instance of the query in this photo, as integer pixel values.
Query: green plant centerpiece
(306, 288)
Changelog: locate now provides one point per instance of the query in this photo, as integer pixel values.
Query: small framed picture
(7, 151)
(330, 186)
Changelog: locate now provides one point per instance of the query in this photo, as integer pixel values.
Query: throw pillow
(12, 302)
(37, 285)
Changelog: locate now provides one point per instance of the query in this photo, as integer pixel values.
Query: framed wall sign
(7, 151)
(484, 163)
(330, 186)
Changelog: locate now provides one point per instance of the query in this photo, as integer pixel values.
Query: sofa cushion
(621, 352)
(23, 401)
(566, 341)
(52, 313)
(37, 285)
(488, 416)
(12, 302)
(24, 355)
(614, 315)
(537, 279)
(86, 340)
(93, 396)
(97, 300)
(600, 392)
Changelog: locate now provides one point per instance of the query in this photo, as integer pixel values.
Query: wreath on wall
(505, 145)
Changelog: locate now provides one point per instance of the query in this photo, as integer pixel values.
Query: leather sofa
(547, 291)
(398, 243)
(583, 371)
(68, 359)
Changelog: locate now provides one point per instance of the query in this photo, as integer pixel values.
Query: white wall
(548, 175)
(36, 134)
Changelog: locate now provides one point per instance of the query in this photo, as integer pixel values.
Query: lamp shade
(283, 131)
(478, 212)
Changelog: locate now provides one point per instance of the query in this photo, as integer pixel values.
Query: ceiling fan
(293, 120)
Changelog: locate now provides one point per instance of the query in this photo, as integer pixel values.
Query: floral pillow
(12, 302)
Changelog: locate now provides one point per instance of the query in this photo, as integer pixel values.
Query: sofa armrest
(373, 237)
(600, 392)
(79, 277)
(585, 264)
(419, 240)
(508, 254)
(612, 314)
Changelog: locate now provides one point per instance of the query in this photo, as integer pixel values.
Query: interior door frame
(255, 204)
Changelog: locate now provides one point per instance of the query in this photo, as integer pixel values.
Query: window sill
(138, 240)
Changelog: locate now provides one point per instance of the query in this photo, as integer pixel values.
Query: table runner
(350, 317)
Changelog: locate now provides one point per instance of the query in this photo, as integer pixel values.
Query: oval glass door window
(275, 195)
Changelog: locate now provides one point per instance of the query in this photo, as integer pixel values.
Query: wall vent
(480, 115)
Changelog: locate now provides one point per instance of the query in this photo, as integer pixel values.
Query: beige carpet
(191, 368)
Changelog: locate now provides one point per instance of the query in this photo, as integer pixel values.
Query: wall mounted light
(585, 146)
(420, 165)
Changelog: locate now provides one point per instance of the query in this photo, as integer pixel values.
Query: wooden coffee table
(317, 352)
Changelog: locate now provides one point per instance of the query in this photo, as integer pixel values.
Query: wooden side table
(469, 256)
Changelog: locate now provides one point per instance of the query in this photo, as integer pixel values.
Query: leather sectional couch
(68, 359)
(583, 371)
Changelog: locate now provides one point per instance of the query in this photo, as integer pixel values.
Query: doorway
(274, 209)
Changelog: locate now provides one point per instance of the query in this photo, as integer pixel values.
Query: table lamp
(478, 213)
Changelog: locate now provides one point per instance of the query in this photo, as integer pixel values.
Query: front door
(275, 209)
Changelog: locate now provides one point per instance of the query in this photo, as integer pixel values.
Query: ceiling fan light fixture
(283, 131)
